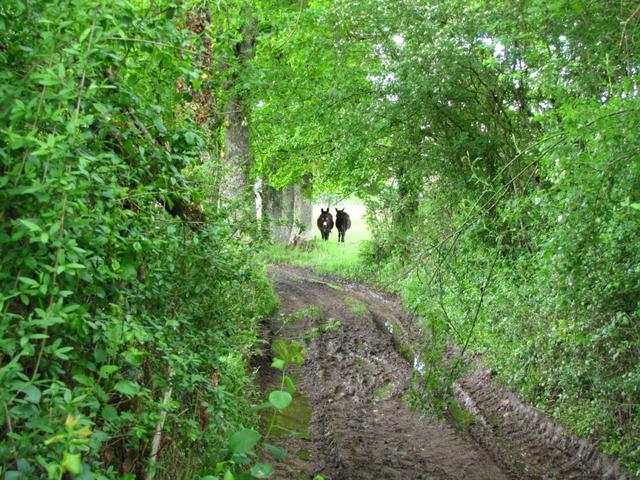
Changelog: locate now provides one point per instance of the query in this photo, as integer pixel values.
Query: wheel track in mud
(354, 377)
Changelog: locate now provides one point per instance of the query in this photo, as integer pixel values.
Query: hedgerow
(128, 311)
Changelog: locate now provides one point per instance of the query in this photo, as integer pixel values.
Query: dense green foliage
(119, 295)
(496, 146)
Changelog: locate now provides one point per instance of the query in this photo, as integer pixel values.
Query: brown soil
(354, 423)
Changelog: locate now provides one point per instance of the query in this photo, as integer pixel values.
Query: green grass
(342, 259)
(383, 392)
(356, 306)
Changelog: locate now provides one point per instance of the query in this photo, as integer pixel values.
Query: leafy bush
(121, 313)
(559, 320)
(506, 208)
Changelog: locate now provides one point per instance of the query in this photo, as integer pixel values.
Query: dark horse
(325, 223)
(343, 223)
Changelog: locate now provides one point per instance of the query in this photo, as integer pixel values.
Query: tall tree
(237, 186)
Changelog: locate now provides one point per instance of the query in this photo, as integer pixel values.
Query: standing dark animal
(325, 223)
(343, 223)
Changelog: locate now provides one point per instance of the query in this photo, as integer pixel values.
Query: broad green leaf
(32, 393)
(29, 281)
(109, 413)
(243, 441)
(33, 227)
(278, 363)
(159, 124)
(127, 388)
(275, 451)
(72, 462)
(83, 379)
(106, 370)
(280, 399)
(262, 470)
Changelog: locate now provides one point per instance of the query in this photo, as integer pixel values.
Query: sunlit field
(327, 256)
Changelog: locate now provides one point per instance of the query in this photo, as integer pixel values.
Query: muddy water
(349, 410)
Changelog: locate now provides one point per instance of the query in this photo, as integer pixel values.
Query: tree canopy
(495, 146)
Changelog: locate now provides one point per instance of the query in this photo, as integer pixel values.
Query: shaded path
(358, 427)
(354, 379)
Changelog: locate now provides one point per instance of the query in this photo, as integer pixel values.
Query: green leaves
(280, 399)
(30, 225)
(289, 351)
(107, 370)
(243, 441)
(278, 363)
(72, 463)
(261, 470)
(127, 388)
(109, 301)
(497, 144)
(32, 393)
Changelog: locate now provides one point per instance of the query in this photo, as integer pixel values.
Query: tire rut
(354, 377)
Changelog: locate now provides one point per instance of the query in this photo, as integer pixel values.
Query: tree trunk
(407, 206)
(277, 208)
(287, 214)
(237, 192)
(302, 217)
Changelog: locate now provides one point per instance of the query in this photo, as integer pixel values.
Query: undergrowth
(120, 321)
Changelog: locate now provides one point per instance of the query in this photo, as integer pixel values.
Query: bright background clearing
(327, 256)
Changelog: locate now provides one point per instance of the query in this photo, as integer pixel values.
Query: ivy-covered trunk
(237, 189)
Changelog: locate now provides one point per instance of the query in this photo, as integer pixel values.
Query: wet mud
(350, 416)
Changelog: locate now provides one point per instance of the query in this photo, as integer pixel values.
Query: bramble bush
(128, 312)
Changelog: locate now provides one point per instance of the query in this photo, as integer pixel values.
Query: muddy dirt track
(354, 423)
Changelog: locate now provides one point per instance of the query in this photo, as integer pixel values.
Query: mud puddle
(348, 413)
